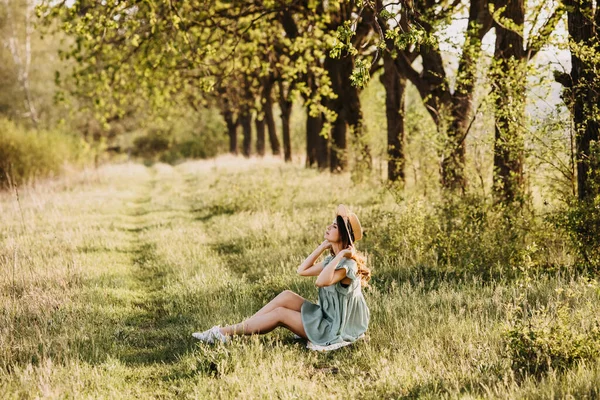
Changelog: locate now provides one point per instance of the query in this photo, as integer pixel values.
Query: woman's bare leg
(264, 323)
(287, 299)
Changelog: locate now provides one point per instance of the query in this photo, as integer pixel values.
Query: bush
(553, 338)
(581, 222)
(469, 234)
(26, 155)
(200, 134)
(151, 145)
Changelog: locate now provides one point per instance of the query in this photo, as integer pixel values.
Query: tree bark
(245, 119)
(286, 111)
(339, 71)
(338, 160)
(354, 118)
(316, 145)
(450, 111)
(269, 118)
(313, 128)
(23, 63)
(347, 104)
(582, 96)
(231, 130)
(395, 94)
(322, 149)
(337, 155)
(453, 165)
(259, 124)
(285, 105)
(508, 82)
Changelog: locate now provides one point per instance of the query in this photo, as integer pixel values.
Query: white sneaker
(200, 335)
(211, 336)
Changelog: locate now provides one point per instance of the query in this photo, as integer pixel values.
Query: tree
(21, 52)
(582, 92)
(509, 75)
(343, 68)
(450, 109)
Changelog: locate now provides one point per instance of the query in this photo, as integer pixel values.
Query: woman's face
(332, 233)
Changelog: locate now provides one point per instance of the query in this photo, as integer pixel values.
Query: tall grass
(103, 281)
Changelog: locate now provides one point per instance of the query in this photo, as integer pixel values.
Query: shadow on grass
(155, 332)
(430, 278)
(135, 322)
(205, 214)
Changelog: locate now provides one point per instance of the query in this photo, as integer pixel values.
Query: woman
(340, 317)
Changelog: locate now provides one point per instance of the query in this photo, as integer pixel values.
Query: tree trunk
(231, 131)
(269, 118)
(453, 163)
(581, 93)
(339, 71)
(395, 87)
(450, 111)
(508, 81)
(338, 159)
(286, 111)
(322, 149)
(285, 105)
(313, 128)
(354, 117)
(23, 63)
(246, 122)
(259, 124)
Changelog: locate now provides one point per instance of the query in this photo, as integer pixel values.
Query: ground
(105, 273)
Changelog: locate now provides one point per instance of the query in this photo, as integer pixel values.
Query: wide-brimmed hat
(351, 223)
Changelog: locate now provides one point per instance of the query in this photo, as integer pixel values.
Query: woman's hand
(350, 252)
(326, 244)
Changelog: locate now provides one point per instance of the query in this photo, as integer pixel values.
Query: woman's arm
(329, 275)
(306, 268)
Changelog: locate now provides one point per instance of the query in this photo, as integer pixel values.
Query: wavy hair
(363, 272)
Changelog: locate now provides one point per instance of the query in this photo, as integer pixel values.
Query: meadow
(105, 273)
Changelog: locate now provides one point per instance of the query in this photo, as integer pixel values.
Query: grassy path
(104, 276)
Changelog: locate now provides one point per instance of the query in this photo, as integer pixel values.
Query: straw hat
(352, 223)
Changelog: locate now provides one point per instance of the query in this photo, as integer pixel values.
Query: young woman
(341, 315)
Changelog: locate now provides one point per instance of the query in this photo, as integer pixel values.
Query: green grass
(105, 275)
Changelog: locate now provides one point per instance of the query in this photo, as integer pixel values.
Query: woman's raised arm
(305, 268)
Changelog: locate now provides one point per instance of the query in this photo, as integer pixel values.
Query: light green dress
(341, 314)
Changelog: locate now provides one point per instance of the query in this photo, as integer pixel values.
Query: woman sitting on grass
(341, 315)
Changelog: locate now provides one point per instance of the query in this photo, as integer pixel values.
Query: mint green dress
(341, 314)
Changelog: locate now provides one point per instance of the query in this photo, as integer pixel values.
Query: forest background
(477, 118)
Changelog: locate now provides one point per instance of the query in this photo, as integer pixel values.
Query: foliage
(468, 236)
(580, 220)
(472, 235)
(26, 155)
(151, 144)
(553, 338)
(181, 135)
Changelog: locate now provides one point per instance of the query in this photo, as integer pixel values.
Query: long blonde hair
(363, 272)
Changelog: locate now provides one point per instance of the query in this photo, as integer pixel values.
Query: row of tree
(244, 57)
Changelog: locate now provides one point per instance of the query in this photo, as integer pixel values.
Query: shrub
(151, 145)
(581, 222)
(466, 235)
(470, 234)
(551, 338)
(197, 135)
(26, 155)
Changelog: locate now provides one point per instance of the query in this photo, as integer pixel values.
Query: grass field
(105, 274)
